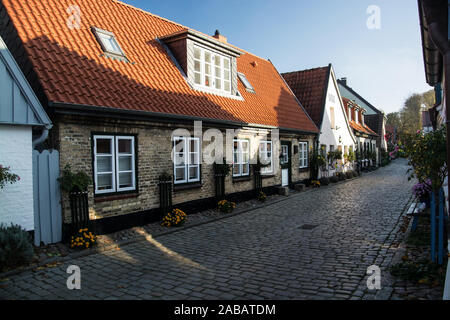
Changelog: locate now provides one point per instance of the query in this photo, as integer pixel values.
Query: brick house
(318, 92)
(117, 81)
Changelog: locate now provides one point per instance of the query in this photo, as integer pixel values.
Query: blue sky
(385, 66)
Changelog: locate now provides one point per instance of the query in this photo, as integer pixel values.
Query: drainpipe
(42, 138)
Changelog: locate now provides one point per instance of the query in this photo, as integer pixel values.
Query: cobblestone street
(313, 245)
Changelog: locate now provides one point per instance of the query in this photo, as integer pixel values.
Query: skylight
(108, 42)
(246, 83)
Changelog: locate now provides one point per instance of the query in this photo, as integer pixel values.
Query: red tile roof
(310, 88)
(71, 68)
(363, 128)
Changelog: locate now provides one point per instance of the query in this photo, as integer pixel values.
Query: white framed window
(212, 70)
(284, 159)
(108, 42)
(266, 156)
(349, 114)
(303, 154)
(246, 83)
(186, 162)
(114, 163)
(241, 157)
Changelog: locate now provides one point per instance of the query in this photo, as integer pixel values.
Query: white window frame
(214, 77)
(284, 159)
(303, 154)
(102, 36)
(187, 159)
(241, 162)
(349, 114)
(248, 86)
(114, 140)
(263, 155)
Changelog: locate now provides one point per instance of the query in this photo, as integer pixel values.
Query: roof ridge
(311, 69)
(183, 26)
(149, 13)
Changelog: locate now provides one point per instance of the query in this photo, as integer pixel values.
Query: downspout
(42, 138)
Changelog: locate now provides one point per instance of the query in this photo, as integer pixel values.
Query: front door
(285, 163)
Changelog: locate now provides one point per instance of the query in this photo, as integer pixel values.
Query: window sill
(187, 186)
(112, 197)
(242, 179)
(267, 176)
(303, 169)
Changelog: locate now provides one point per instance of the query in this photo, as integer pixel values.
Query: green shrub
(349, 175)
(341, 176)
(15, 246)
(324, 181)
(334, 179)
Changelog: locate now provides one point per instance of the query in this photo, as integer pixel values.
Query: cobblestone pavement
(315, 245)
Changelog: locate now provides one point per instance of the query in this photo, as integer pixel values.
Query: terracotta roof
(310, 88)
(71, 67)
(362, 128)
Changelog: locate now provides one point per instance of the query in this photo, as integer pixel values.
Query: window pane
(207, 57)
(104, 146)
(125, 163)
(179, 159)
(226, 63)
(104, 164)
(197, 53)
(227, 75)
(193, 173)
(226, 86)
(197, 66)
(125, 146)
(194, 145)
(208, 81)
(125, 180)
(197, 78)
(245, 169)
(193, 158)
(104, 181)
(236, 169)
(180, 174)
(218, 84)
(217, 60)
(245, 146)
(207, 69)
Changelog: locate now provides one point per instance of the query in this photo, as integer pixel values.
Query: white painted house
(318, 92)
(20, 114)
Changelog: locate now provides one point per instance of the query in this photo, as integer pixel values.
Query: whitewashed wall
(16, 200)
(330, 136)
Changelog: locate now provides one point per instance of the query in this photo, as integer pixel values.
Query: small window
(349, 114)
(332, 120)
(246, 83)
(265, 155)
(303, 154)
(186, 160)
(212, 70)
(108, 42)
(114, 164)
(241, 158)
(284, 159)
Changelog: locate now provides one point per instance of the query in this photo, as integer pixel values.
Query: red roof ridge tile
(305, 70)
(149, 13)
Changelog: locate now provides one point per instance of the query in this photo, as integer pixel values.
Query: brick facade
(73, 137)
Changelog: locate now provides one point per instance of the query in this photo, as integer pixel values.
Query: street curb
(75, 255)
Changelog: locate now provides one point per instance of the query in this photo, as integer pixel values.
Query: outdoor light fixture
(340, 139)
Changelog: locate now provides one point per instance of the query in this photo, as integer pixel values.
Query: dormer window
(109, 43)
(246, 83)
(212, 70)
(349, 114)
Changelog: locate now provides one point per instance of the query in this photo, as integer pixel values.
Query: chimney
(220, 37)
(344, 81)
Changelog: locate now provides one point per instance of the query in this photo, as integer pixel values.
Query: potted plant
(76, 184)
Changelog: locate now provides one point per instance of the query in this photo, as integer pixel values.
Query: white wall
(330, 136)
(16, 200)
